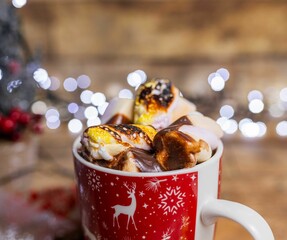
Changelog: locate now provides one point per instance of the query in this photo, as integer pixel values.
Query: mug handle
(245, 216)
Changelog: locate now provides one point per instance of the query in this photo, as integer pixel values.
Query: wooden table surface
(254, 173)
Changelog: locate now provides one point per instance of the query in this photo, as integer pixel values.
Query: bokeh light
(91, 112)
(224, 73)
(80, 114)
(86, 96)
(283, 94)
(55, 84)
(254, 94)
(276, 110)
(256, 106)
(41, 76)
(75, 126)
(217, 83)
(19, 3)
(83, 81)
(126, 93)
(39, 107)
(1, 74)
(73, 107)
(70, 84)
(250, 129)
(93, 121)
(103, 107)
(98, 99)
(281, 128)
(226, 111)
(52, 115)
(53, 125)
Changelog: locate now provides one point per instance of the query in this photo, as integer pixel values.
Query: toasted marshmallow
(183, 107)
(154, 103)
(107, 141)
(119, 110)
(200, 133)
(136, 160)
(199, 120)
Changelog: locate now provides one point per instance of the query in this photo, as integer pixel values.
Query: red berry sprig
(13, 125)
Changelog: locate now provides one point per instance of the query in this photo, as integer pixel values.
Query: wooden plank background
(181, 40)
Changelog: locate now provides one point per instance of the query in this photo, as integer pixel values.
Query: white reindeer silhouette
(127, 210)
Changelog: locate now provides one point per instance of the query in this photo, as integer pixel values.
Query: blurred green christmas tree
(17, 64)
(17, 85)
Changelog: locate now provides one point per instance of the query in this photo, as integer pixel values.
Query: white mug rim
(196, 168)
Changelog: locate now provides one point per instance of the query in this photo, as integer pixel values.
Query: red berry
(14, 115)
(7, 125)
(37, 128)
(24, 118)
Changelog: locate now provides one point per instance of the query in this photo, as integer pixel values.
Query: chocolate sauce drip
(182, 121)
(145, 161)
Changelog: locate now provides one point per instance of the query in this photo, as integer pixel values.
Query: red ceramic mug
(174, 205)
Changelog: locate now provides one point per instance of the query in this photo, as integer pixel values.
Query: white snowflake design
(185, 221)
(167, 235)
(94, 180)
(171, 200)
(154, 184)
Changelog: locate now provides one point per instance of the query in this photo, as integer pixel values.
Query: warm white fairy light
(126, 93)
(283, 95)
(41, 76)
(55, 84)
(52, 115)
(255, 94)
(70, 84)
(19, 3)
(230, 126)
(53, 125)
(102, 108)
(73, 107)
(281, 128)
(39, 107)
(256, 106)
(276, 110)
(217, 83)
(226, 111)
(262, 129)
(83, 81)
(98, 99)
(75, 126)
(91, 112)
(250, 129)
(86, 96)
(46, 84)
(80, 114)
(93, 121)
(243, 121)
(136, 78)
(224, 73)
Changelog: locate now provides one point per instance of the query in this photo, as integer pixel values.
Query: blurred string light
(283, 95)
(136, 78)
(70, 84)
(83, 81)
(126, 93)
(98, 99)
(92, 105)
(1, 74)
(19, 3)
(281, 128)
(217, 79)
(255, 99)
